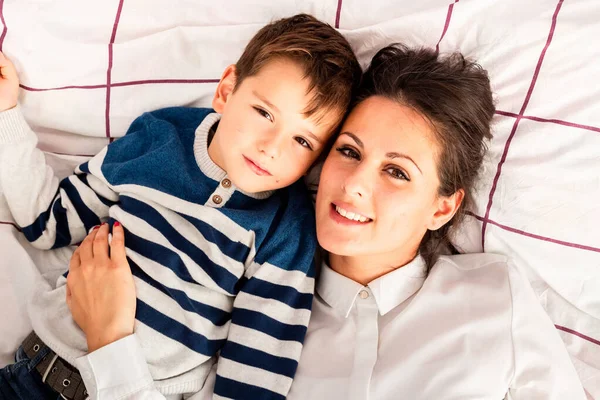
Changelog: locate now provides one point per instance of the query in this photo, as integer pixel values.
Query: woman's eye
(397, 173)
(348, 152)
(264, 113)
(303, 142)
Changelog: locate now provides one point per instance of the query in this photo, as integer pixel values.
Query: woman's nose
(359, 182)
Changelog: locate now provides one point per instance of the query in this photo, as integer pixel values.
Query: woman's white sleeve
(542, 366)
(119, 371)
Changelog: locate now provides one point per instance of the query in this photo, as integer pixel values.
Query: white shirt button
(363, 294)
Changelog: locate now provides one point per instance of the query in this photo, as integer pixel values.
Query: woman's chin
(336, 243)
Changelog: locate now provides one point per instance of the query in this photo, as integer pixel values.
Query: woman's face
(378, 190)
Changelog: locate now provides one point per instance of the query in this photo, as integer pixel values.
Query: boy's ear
(224, 88)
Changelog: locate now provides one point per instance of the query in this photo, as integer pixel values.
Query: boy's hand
(100, 288)
(9, 84)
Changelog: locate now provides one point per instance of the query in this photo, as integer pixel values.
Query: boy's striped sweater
(217, 271)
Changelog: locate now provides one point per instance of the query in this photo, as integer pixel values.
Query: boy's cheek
(305, 166)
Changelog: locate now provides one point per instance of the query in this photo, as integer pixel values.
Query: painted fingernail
(117, 223)
(96, 227)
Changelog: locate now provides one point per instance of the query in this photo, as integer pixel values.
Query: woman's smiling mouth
(342, 214)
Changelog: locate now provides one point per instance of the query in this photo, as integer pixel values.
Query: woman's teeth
(350, 215)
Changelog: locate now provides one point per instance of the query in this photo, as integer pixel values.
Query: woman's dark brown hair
(454, 95)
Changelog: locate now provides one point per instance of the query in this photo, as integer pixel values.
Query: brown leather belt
(56, 372)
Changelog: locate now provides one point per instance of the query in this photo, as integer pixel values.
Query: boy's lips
(256, 168)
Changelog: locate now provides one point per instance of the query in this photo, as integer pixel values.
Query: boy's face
(264, 141)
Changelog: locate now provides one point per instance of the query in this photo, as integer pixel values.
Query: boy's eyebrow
(312, 135)
(274, 107)
(390, 155)
(267, 102)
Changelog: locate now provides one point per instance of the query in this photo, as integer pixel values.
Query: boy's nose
(271, 146)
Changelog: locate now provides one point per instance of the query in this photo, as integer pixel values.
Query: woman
(391, 317)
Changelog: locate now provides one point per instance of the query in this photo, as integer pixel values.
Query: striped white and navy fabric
(235, 276)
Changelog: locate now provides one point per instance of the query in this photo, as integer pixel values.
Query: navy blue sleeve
(272, 309)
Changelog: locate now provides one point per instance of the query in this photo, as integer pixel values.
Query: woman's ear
(446, 209)
(224, 88)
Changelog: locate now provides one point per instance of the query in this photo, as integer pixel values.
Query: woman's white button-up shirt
(473, 329)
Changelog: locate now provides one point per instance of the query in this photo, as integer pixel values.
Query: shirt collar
(206, 164)
(337, 290)
(392, 289)
(389, 290)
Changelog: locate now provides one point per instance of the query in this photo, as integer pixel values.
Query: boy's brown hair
(324, 54)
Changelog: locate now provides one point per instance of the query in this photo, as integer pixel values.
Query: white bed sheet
(89, 68)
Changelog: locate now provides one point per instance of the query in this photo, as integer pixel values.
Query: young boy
(219, 233)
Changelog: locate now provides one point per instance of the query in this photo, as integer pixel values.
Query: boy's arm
(270, 314)
(51, 213)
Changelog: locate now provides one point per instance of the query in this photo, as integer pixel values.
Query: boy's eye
(264, 113)
(397, 173)
(348, 152)
(303, 142)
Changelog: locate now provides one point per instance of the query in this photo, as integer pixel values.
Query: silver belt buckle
(49, 368)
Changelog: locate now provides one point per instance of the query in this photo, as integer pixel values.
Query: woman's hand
(100, 289)
(9, 84)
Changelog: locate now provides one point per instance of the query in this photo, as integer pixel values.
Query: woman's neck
(365, 269)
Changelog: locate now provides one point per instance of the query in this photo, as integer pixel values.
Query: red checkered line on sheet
(516, 124)
(534, 236)
(121, 84)
(4, 28)
(338, 13)
(12, 224)
(446, 25)
(578, 334)
(110, 64)
(552, 121)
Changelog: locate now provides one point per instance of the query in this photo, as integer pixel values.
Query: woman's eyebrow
(356, 139)
(393, 155)
(390, 155)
